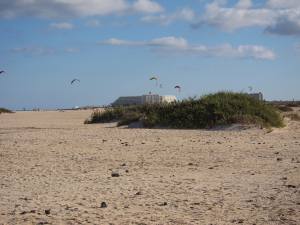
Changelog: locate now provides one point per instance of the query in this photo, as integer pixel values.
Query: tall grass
(222, 108)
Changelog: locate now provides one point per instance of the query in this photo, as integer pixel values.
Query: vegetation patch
(223, 108)
(293, 116)
(284, 108)
(3, 110)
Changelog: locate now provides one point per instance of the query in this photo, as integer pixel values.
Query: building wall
(144, 99)
(128, 100)
(151, 99)
(259, 96)
(168, 99)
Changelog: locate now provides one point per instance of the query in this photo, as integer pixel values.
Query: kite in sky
(74, 80)
(178, 88)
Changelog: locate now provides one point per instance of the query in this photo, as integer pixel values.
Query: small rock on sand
(47, 211)
(103, 205)
(115, 174)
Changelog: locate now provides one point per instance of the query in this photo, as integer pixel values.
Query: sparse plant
(284, 108)
(293, 116)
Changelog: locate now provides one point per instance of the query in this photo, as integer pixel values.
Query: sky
(114, 46)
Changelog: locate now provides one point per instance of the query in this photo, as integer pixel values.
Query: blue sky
(115, 46)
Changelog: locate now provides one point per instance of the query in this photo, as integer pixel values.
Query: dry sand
(52, 161)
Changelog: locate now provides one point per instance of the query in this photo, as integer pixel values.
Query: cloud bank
(185, 14)
(33, 50)
(62, 26)
(280, 17)
(75, 8)
(181, 45)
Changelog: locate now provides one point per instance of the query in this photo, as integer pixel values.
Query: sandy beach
(56, 170)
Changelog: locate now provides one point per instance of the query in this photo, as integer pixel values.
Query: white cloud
(37, 50)
(62, 26)
(297, 47)
(180, 45)
(93, 23)
(33, 50)
(230, 19)
(276, 16)
(185, 14)
(147, 6)
(244, 4)
(115, 41)
(283, 4)
(71, 50)
(74, 8)
(169, 42)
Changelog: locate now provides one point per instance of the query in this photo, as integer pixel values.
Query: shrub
(129, 117)
(108, 115)
(222, 108)
(3, 110)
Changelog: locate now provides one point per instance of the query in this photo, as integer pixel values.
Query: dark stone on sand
(279, 159)
(123, 164)
(138, 193)
(163, 204)
(115, 174)
(47, 211)
(103, 205)
(237, 221)
(291, 186)
(42, 223)
(25, 212)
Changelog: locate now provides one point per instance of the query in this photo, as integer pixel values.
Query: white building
(144, 99)
(128, 100)
(168, 99)
(259, 96)
(150, 99)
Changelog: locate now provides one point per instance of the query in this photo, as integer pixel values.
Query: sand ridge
(52, 161)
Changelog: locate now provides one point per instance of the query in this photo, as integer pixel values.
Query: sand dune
(56, 170)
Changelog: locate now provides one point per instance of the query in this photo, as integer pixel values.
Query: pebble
(163, 204)
(115, 174)
(47, 211)
(103, 205)
(290, 186)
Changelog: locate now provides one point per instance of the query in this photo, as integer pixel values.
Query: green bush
(222, 108)
(129, 117)
(3, 110)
